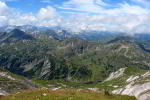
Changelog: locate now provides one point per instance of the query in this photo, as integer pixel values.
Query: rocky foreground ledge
(137, 85)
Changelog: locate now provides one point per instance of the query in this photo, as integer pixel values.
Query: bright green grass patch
(134, 71)
(59, 83)
(65, 95)
(2, 79)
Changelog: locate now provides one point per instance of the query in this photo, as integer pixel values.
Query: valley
(45, 63)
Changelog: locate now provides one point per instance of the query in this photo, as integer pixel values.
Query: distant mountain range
(87, 58)
(29, 32)
(61, 33)
(44, 48)
(14, 36)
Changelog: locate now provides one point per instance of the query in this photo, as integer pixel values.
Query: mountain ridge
(76, 61)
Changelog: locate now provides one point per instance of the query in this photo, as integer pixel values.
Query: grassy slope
(109, 85)
(11, 86)
(71, 59)
(65, 95)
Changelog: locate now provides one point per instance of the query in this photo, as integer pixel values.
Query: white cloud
(125, 18)
(3, 20)
(83, 5)
(23, 19)
(48, 17)
(47, 13)
(4, 9)
(100, 7)
(117, 23)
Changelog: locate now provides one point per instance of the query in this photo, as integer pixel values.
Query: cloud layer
(81, 15)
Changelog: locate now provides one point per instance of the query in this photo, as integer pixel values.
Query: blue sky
(130, 16)
(35, 5)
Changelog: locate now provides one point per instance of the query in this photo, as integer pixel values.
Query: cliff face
(136, 84)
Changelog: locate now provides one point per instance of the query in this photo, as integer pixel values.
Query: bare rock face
(135, 90)
(5, 74)
(116, 74)
(3, 93)
(136, 87)
(145, 96)
(139, 91)
(12, 83)
(132, 78)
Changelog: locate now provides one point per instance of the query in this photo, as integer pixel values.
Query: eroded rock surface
(136, 87)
